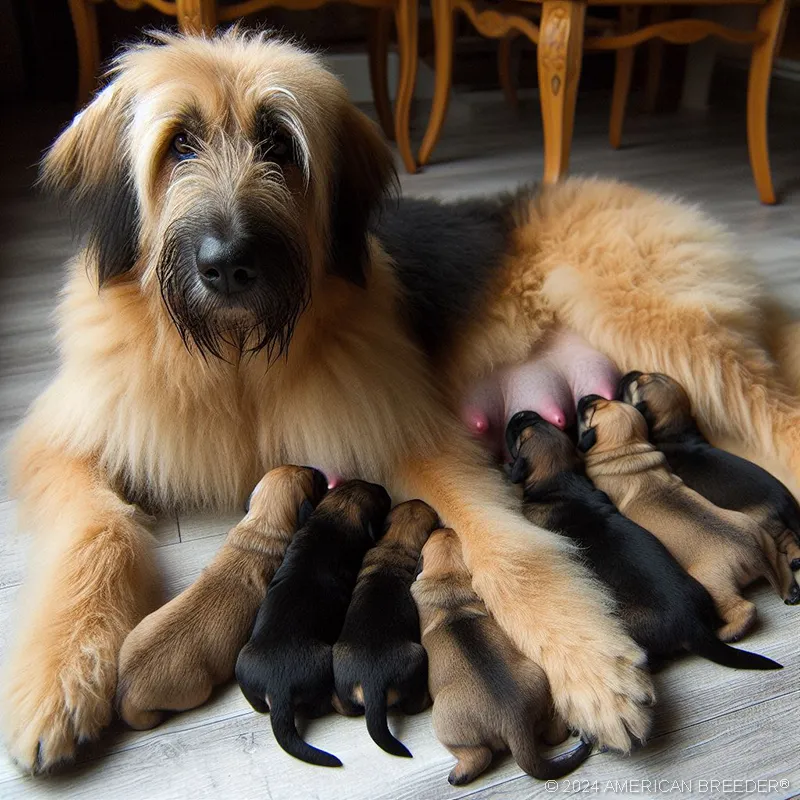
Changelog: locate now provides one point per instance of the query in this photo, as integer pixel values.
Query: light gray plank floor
(712, 724)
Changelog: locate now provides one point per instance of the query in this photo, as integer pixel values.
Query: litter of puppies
(363, 609)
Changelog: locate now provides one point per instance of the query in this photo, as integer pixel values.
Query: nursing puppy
(288, 662)
(378, 661)
(724, 550)
(487, 696)
(175, 656)
(725, 479)
(664, 609)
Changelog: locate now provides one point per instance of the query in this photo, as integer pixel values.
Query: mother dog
(232, 311)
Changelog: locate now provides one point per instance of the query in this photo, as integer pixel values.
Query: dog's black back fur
(664, 609)
(727, 480)
(466, 240)
(288, 661)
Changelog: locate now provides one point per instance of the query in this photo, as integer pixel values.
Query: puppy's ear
(587, 440)
(88, 167)
(363, 175)
(305, 512)
(519, 470)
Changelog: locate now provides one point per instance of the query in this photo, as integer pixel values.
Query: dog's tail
(375, 708)
(527, 755)
(707, 645)
(283, 726)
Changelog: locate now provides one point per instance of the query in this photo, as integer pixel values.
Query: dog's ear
(88, 167)
(587, 440)
(305, 512)
(363, 175)
(519, 470)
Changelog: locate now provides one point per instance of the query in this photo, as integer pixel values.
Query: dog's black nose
(227, 266)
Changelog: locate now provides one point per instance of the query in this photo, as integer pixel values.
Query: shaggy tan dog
(231, 311)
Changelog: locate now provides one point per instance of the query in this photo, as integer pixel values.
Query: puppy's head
(604, 425)
(227, 176)
(661, 400)
(287, 496)
(442, 556)
(410, 523)
(540, 450)
(358, 504)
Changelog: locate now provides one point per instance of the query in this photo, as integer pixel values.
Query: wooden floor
(712, 724)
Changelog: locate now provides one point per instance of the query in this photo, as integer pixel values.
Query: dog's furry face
(226, 175)
(662, 401)
(604, 425)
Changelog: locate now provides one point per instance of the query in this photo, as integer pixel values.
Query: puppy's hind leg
(472, 761)
(738, 614)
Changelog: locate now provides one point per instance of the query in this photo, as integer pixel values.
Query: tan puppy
(487, 696)
(722, 549)
(175, 656)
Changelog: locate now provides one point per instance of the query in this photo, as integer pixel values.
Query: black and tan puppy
(378, 661)
(723, 478)
(664, 609)
(175, 656)
(487, 696)
(724, 550)
(288, 662)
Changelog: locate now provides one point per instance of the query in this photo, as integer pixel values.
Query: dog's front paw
(560, 617)
(606, 694)
(59, 693)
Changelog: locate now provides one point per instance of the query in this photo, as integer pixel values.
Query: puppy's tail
(375, 713)
(283, 726)
(527, 755)
(707, 645)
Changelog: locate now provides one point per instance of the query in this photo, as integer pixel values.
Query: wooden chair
(202, 16)
(561, 39)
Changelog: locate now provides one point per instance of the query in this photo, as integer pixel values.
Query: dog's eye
(278, 148)
(182, 147)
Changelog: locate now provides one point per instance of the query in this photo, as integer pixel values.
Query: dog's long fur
(346, 377)
(175, 656)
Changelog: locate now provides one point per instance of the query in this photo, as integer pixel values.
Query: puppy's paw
(58, 694)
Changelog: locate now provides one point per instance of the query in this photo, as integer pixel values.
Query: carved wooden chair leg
(406, 23)
(629, 21)
(655, 60)
(559, 60)
(505, 70)
(380, 24)
(196, 16)
(84, 20)
(771, 19)
(444, 34)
